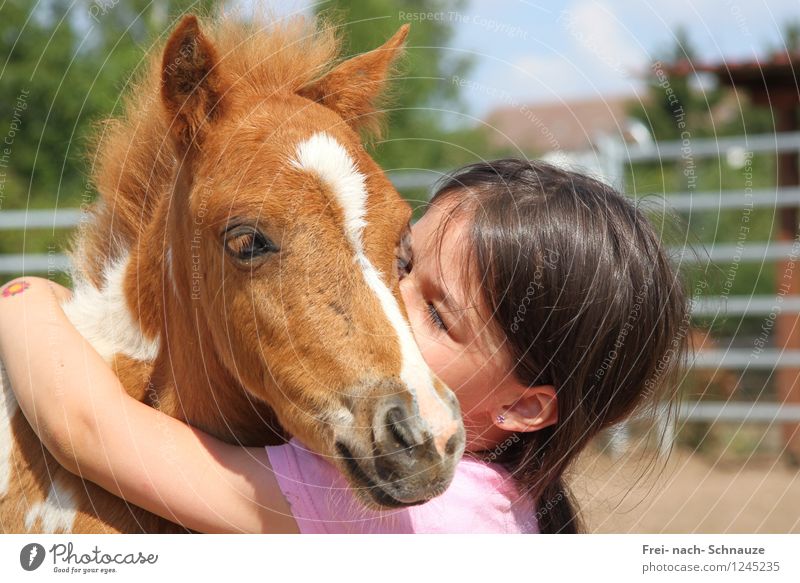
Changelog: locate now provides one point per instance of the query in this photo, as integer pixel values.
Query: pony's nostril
(398, 428)
(452, 444)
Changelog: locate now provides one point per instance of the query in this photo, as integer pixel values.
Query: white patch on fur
(8, 407)
(103, 318)
(57, 512)
(328, 159)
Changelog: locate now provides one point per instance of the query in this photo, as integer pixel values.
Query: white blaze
(328, 159)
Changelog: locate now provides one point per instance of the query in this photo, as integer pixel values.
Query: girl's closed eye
(434, 317)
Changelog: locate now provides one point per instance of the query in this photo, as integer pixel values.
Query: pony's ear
(191, 87)
(352, 88)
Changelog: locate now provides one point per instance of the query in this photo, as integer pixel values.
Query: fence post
(787, 325)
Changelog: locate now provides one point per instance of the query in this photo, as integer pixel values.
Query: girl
(542, 297)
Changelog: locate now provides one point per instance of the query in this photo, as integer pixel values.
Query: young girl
(542, 297)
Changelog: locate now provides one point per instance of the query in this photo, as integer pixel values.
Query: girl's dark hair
(578, 285)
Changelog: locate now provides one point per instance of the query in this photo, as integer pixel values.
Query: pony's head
(283, 240)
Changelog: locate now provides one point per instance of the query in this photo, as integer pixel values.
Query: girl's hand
(86, 419)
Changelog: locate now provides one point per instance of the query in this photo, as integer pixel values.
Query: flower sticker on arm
(14, 288)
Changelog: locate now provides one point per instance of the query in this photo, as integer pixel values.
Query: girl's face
(448, 326)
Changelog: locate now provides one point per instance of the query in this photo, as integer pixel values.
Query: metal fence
(616, 158)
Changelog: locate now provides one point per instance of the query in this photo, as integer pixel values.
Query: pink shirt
(481, 499)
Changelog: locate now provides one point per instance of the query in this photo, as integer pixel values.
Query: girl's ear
(532, 409)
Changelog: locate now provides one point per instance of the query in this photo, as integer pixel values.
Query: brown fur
(204, 141)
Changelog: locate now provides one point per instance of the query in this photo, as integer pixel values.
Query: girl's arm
(82, 414)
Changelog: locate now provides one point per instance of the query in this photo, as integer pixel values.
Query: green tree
(64, 66)
(670, 97)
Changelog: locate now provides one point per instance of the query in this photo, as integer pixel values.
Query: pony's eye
(405, 255)
(404, 266)
(246, 244)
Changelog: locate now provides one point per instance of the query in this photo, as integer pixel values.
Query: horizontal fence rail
(702, 411)
(711, 147)
(414, 178)
(733, 411)
(744, 305)
(730, 199)
(749, 358)
(34, 263)
(719, 252)
(726, 411)
(17, 220)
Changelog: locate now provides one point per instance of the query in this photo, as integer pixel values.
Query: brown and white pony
(239, 271)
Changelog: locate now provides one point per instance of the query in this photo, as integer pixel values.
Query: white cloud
(546, 77)
(596, 34)
(588, 48)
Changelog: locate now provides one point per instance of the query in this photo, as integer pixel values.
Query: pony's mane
(133, 163)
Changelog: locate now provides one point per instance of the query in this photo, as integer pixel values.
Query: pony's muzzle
(397, 448)
(413, 460)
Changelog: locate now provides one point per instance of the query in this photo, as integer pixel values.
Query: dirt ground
(687, 494)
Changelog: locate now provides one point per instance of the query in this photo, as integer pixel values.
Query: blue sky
(528, 52)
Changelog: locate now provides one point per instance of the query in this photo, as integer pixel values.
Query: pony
(240, 272)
